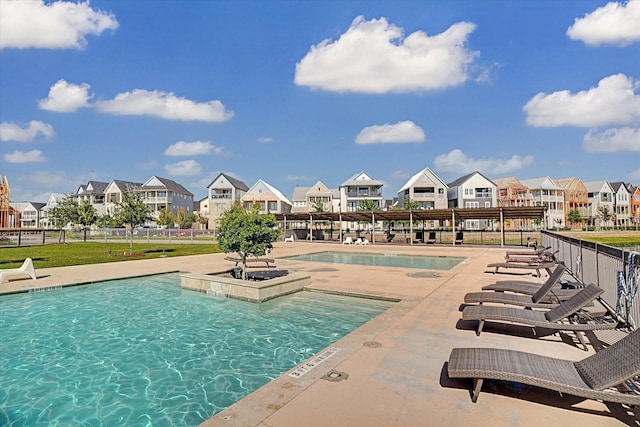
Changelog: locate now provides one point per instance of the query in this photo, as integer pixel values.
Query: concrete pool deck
(392, 370)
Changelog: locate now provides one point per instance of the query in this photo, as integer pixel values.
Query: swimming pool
(144, 352)
(382, 260)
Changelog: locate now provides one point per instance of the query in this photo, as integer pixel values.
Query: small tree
(317, 206)
(605, 214)
(575, 217)
(64, 213)
(132, 212)
(186, 220)
(247, 233)
(166, 218)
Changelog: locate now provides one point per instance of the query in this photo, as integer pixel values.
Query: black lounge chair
(607, 375)
(537, 266)
(459, 238)
(432, 238)
(563, 317)
(544, 297)
(528, 288)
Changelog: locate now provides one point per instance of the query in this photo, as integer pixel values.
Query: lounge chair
(544, 297)
(289, 239)
(347, 241)
(432, 238)
(564, 317)
(602, 376)
(537, 266)
(459, 238)
(26, 269)
(358, 241)
(528, 288)
(536, 251)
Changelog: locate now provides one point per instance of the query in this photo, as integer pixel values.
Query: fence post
(19, 237)
(43, 234)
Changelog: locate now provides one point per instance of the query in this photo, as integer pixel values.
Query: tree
(87, 214)
(247, 233)
(166, 218)
(317, 206)
(605, 214)
(367, 205)
(132, 212)
(411, 205)
(65, 212)
(575, 217)
(186, 220)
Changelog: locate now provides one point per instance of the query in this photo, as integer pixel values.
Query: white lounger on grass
(25, 270)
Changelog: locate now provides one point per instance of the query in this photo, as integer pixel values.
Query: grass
(617, 241)
(47, 256)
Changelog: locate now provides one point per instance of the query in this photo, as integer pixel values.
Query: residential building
(424, 189)
(223, 191)
(473, 190)
(94, 193)
(621, 205)
(601, 200)
(317, 198)
(162, 193)
(358, 188)
(635, 204)
(30, 217)
(53, 200)
(576, 198)
(513, 193)
(545, 192)
(9, 216)
(114, 190)
(268, 199)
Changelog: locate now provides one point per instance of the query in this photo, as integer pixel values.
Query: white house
(162, 193)
(358, 188)
(94, 193)
(601, 197)
(426, 189)
(223, 191)
(621, 204)
(30, 215)
(472, 191)
(545, 192)
(268, 199)
(114, 190)
(307, 199)
(52, 202)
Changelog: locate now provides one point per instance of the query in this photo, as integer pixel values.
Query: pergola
(453, 214)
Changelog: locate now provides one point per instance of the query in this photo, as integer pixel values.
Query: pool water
(144, 352)
(382, 260)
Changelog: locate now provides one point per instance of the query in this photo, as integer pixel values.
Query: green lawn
(46, 256)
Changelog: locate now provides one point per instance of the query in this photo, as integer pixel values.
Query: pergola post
(373, 228)
(501, 228)
(453, 226)
(410, 227)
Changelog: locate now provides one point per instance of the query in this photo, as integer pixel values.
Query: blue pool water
(143, 352)
(382, 260)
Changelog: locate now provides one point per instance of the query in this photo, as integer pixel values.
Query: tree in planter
(247, 233)
(132, 213)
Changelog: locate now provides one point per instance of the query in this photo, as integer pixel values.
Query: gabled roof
(159, 183)
(361, 178)
(543, 182)
(36, 205)
(233, 181)
(571, 183)
(271, 188)
(424, 172)
(598, 186)
(458, 182)
(94, 187)
(300, 193)
(126, 185)
(318, 189)
(508, 181)
(619, 185)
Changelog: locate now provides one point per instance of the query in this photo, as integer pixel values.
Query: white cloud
(183, 168)
(634, 175)
(140, 102)
(374, 57)
(13, 132)
(302, 178)
(55, 25)
(66, 97)
(613, 101)
(196, 148)
(401, 132)
(615, 24)
(612, 140)
(33, 156)
(457, 161)
(265, 139)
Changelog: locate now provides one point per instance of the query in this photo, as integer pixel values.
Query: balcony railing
(364, 194)
(221, 196)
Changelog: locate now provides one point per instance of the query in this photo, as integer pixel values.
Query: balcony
(364, 194)
(221, 196)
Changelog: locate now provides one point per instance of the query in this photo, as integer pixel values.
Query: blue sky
(293, 92)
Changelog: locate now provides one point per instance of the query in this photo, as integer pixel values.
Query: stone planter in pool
(222, 284)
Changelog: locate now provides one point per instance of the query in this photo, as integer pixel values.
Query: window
(273, 206)
(472, 224)
(471, 204)
(469, 191)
